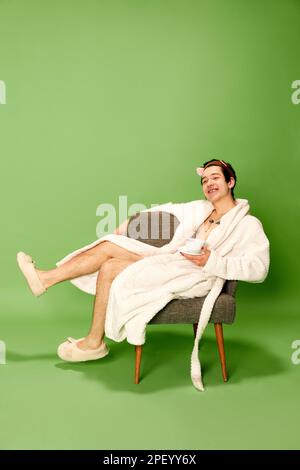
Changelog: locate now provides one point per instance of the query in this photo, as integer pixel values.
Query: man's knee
(110, 249)
(105, 246)
(109, 269)
(102, 247)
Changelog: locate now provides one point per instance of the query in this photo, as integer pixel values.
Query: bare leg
(109, 270)
(87, 262)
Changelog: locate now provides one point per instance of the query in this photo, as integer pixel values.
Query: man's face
(214, 185)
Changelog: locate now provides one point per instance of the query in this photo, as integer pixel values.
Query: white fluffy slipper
(69, 351)
(26, 265)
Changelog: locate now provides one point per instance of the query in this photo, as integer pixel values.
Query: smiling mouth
(212, 191)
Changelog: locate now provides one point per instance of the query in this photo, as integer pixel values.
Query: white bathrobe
(239, 251)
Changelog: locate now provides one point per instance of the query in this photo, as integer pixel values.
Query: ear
(231, 182)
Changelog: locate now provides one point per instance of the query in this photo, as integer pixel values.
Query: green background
(110, 98)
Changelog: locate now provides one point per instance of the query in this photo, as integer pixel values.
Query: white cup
(194, 244)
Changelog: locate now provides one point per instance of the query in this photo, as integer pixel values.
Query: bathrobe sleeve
(158, 207)
(252, 256)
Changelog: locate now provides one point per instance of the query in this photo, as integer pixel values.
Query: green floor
(49, 404)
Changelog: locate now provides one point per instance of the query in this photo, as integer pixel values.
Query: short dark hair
(227, 171)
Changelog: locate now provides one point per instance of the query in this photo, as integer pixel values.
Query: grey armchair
(157, 228)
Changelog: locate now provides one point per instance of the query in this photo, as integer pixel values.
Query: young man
(238, 249)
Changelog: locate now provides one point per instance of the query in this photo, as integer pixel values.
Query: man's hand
(199, 260)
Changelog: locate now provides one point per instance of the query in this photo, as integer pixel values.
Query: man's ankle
(94, 342)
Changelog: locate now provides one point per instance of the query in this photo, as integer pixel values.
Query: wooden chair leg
(138, 357)
(221, 349)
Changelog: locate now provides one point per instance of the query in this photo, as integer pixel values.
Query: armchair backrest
(157, 228)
